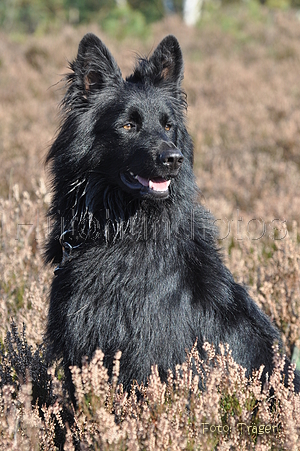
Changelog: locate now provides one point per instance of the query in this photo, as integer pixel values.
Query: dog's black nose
(171, 158)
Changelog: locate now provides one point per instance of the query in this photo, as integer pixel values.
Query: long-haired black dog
(138, 269)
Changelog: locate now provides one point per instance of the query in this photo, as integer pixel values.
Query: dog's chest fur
(113, 307)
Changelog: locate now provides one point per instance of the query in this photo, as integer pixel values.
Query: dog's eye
(168, 127)
(128, 126)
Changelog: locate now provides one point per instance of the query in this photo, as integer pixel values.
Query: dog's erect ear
(164, 67)
(94, 65)
(167, 61)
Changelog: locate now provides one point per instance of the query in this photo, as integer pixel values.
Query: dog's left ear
(164, 67)
(167, 62)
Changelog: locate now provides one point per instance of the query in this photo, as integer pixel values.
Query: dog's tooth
(132, 175)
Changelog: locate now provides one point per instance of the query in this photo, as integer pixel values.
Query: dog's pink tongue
(161, 185)
(144, 182)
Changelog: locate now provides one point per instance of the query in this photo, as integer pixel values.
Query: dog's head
(130, 133)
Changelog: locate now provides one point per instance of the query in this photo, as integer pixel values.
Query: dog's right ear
(94, 67)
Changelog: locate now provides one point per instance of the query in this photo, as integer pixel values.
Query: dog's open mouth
(156, 186)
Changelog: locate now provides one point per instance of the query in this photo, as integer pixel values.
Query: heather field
(242, 66)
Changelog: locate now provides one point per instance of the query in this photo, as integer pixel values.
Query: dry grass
(243, 90)
(232, 413)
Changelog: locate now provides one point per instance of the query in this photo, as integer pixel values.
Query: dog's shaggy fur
(138, 266)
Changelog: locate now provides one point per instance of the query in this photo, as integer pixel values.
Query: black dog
(138, 266)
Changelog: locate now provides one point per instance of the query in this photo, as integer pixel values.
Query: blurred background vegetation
(117, 17)
(36, 15)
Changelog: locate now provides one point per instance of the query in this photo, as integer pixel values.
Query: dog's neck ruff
(67, 249)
